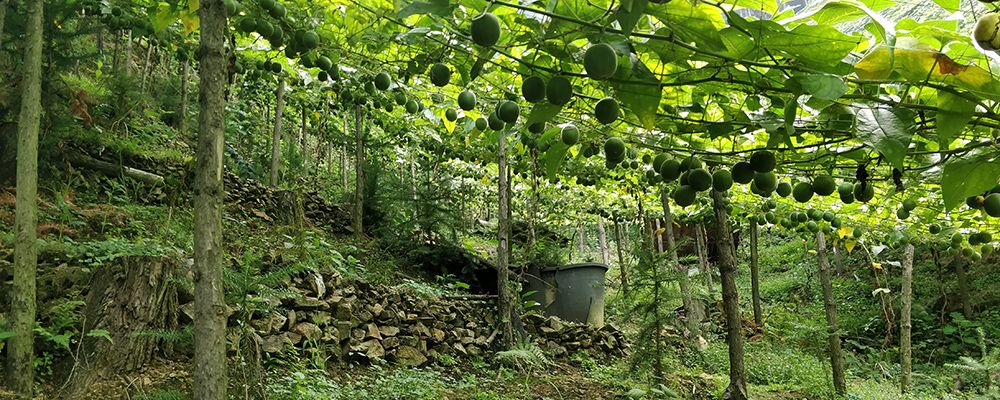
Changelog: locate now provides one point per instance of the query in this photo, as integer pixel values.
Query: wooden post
(276, 133)
(755, 278)
(621, 258)
(603, 241)
(905, 325)
(963, 287)
(833, 336)
(737, 389)
(692, 316)
(504, 296)
(359, 174)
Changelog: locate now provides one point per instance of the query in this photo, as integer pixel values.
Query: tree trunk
(657, 317)
(505, 301)
(127, 58)
(836, 356)
(125, 298)
(533, 202)
(905, 326)
(702, 244)
(182, 114)
(963, 287)
(359, 174)
(691, 313)
(581, 244)
(279, 107)
(3, 17)
(209, 304)
(302, 139)
(602, 237)
(413, 192)
(737, 389)
(20, 351)
(146, 65)
(621, 258)
(838, 260)
(758, 319)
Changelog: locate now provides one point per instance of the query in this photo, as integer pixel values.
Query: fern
(524, 357)
(184, 335)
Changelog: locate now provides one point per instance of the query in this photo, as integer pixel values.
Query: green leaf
(101, 333)
(888, 131)
(955, 112)
(628, 14)
(950, 5)
(440, 8)
(542, 112)
(691, 23)
(62, 340)
(4, 335)
(642, 99)
(823, 87)
(553, 158)
(812, 44)
(966, 177)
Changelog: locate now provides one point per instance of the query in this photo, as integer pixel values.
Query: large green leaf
(955, 112)
(542, 112)
(641, 99)
(823, 87)
(441, 8)
(887, 130)
(966, 177)
(950, 5)
(698, 24)
(817, 45)
(628, 14)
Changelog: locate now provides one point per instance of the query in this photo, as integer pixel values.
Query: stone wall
(354, 320)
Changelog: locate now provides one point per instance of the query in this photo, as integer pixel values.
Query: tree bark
(302, 139)
(146, 65)
(359, 174)
(210, 307)
(533, 202)
(657, 317)
(702, 244)
(737, 389)
(692, 315)
(115, 170)
(905, 325)
(276, 133)
(505, 304)
(602, 237)
(963, 287)
(3, 17)
(131, 296)
(758, 319)
(838, 260)
(581, 244)
(621, 258)
(182, 114)
(20, 351)
(836, 356)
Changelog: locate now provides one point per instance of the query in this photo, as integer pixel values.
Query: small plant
(526, 356)
(988, 363)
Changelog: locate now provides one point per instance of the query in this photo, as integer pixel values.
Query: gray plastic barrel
(578, 292)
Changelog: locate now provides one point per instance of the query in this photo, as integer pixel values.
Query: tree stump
(127, 298)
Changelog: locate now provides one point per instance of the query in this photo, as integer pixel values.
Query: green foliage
(525, 356)
(400, 384)
(164, 394)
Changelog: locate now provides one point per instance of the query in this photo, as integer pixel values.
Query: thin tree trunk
(276, 133)
(905, 325)
(3, 17)
(20, 354)
(413, 191)
(692, 316)
(127, 59)
(963, 288)
(737, 389)
(702, 244)
(210, 306)
(302, 139)
(359, 174)
(182, 117)
(146, 65)
(621, 258)
(657, 318)
(838, 260)
(758, 319)
(836, 356)
(533, 200)
(602, 237)
(505, 305)
(581, 244)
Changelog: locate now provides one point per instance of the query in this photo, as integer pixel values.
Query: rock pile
(356, 320)
(270, 204)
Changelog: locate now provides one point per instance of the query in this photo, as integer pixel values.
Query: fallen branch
(115, 170)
